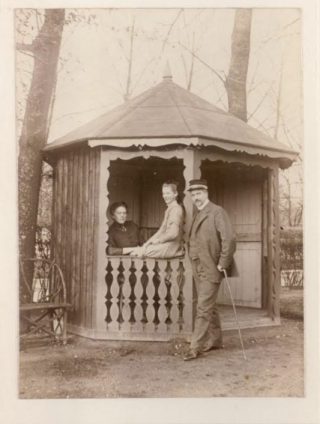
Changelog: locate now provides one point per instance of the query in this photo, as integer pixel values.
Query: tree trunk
(45, 48)
(237, 77)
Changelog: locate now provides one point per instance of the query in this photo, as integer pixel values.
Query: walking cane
(235, 312)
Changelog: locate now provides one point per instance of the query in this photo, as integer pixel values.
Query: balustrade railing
(146, 295)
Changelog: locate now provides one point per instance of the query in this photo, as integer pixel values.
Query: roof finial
(167, 75)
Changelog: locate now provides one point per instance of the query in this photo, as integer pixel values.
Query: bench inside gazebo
(165, 133)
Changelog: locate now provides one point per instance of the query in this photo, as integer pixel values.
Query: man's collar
(200, 208)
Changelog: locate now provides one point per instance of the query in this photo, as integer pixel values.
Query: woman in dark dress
(123, 234)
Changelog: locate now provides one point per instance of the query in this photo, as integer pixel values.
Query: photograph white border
(185, 410)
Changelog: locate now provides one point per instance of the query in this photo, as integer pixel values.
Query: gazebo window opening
(145, 294)
(138, 182)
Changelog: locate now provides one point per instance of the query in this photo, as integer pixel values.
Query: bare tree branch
(204, 63)
(128, 86)
(27, 53)
(261, 124)
(260, 103)
(142, 73)
(279, 35)
(192, 65)
(279, 98)
(169, 31)
(184, 67)
(25, 47)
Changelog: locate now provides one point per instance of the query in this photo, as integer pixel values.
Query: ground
(103, 369)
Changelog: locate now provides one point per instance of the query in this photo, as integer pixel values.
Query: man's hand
(220, 268)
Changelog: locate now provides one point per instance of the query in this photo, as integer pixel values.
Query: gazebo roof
(169, 114)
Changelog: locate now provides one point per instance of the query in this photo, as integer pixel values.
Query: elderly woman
(123, 234)
(167, 241)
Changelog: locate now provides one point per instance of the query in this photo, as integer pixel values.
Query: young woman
(167, 241)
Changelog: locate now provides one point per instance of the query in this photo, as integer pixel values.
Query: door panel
(242, 198)
(246, 288)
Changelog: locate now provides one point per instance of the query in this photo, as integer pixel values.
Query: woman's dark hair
(116, 205)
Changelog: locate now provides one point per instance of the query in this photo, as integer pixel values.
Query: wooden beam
(102, 231)
(264, 256)
(273, 244)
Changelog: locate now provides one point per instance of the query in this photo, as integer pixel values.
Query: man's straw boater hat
(198, 185)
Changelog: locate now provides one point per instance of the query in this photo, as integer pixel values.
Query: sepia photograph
(160, 202)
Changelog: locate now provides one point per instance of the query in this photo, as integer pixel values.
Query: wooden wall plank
(96, 194)
(74, 232)
(58, 200)
(264, 258)
(83, 229)
(53, 211)
(79, 239)
(270, 242)
(90, 236)
(69, 208)
(86, 229)
(64, 217)
(82, 245)
(276, 245)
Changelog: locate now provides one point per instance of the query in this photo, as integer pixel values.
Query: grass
(291, 303)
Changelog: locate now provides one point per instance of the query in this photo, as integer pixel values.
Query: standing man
(211, 248)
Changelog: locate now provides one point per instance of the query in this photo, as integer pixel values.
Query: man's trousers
(207, 327)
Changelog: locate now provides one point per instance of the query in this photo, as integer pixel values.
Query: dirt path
(102, 369)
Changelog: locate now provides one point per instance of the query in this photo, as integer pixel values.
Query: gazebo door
(243, 202)
(239, 192)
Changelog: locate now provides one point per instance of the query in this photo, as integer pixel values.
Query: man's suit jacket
(215, 241)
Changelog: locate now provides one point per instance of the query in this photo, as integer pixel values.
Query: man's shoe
(191, 354)
(207, 349)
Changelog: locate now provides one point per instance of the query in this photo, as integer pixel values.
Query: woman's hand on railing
(127, 250)
(138, 251)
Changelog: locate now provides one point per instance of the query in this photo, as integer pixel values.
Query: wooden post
(264, 256)
(273, 244)
(192, 170)
(100, 310)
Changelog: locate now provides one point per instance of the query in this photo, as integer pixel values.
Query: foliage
(291, 196)
(43, 243)
(45, 197)
(291, 249)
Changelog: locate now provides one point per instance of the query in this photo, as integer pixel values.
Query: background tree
(44, 50)
(236, 81)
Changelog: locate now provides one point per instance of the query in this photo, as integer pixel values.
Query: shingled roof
(169, 114)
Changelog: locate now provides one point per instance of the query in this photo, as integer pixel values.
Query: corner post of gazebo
(192, 170)
(273, 243)
(102, 237)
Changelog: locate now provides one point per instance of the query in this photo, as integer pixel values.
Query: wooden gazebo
(126, 154)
